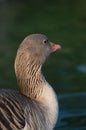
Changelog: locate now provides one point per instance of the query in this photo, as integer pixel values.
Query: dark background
(64, 22)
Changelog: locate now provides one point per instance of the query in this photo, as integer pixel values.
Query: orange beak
(55, 47)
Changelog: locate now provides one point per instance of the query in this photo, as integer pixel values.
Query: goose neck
(31, 80)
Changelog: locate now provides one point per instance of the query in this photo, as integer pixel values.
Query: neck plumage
(33, 84)
(29, 77)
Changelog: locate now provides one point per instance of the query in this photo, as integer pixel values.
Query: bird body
(35, 106)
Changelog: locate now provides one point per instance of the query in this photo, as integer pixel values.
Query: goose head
(38, 47)
(32, 53)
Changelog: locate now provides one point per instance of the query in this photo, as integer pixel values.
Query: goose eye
(45, 41)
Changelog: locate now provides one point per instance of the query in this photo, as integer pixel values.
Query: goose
(35, 105)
